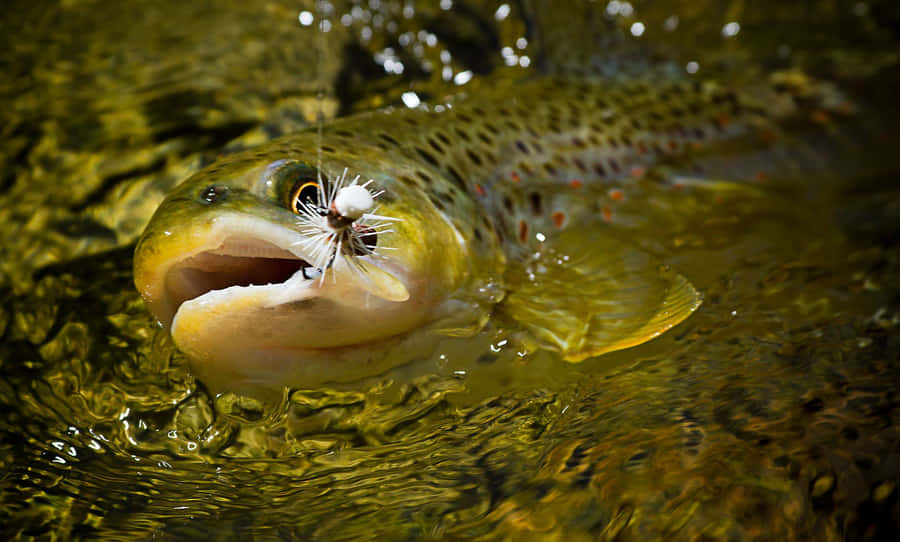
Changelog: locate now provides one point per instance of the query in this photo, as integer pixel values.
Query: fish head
(241, 264)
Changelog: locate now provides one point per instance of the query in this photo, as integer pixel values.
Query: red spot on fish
(515, 177)
(558, 219)
(607, 214)
(761, 176)
(480, 190)
(768, 136)
(696, 145)
(616, 194)
(678, 186)
(575, 183)
(846, 108)
(673, 145)
(523, 231)
(641, 148)
(723, 120)
(820, 117)
(638, 172)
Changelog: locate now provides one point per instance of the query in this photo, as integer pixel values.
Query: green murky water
(770, 414)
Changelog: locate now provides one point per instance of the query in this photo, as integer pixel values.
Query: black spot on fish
(408, 180)
(723, 97)
(435, 145)
(457, 178)
(463, 135)
(424, 176)
(389, 139)
(473, 157)
(485, 137)
(427, 157)
(443, 137)
(507, 203)
(327, 149)
(522, 146)
(436, 202)
(536, 203)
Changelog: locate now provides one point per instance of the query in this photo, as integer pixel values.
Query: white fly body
(335, 229)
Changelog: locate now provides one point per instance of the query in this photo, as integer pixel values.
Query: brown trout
(310, 259)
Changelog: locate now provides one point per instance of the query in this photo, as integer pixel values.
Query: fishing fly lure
(341, 226)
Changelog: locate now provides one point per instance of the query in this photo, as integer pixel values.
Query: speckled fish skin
(522, 152)
(470, 181)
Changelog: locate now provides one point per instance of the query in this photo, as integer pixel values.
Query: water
(771, 413)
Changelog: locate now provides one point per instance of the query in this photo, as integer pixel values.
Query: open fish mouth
(246, 284)
(234, 255)
(238, 261)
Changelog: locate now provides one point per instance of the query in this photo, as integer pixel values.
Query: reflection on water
(771, 413)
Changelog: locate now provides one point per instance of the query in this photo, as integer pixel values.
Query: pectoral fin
(588, 297)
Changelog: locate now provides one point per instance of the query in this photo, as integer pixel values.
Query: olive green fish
(330, 257)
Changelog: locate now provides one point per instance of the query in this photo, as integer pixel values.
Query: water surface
(770, 414)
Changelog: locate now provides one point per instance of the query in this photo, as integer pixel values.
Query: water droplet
(731, 29)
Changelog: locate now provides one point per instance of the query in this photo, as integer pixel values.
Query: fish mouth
(238, 262)
(244, 287)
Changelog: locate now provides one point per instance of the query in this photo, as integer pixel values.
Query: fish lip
(234, 254)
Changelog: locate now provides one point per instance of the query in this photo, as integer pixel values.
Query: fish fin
(586, 299)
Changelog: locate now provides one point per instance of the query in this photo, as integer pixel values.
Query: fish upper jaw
(238, 286)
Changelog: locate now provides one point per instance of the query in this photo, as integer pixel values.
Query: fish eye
(299, 186)
(304, 193)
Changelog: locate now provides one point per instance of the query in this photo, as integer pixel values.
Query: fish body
(228, 262)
